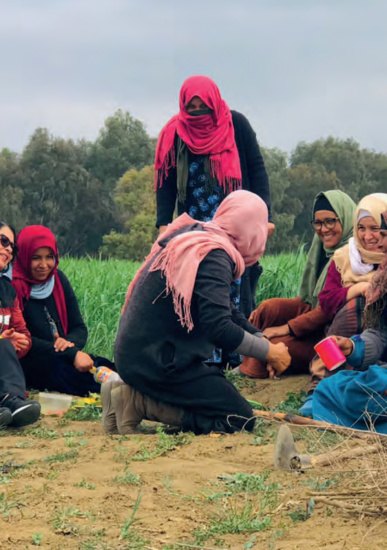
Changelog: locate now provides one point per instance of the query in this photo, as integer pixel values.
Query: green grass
(101, 285)
(128, 479)
(63, 457)
(165, 443)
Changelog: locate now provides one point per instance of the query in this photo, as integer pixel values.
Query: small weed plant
(165, 444)
(128, 479)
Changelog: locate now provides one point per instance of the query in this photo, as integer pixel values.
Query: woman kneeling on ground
(300, 322)
(176, 311)
(357, 398)
(348, 279)
(55, 361)
(15, 341)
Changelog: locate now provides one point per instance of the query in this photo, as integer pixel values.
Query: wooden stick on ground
(331, 456)
(298, 420)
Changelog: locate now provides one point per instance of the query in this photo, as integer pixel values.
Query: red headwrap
(239, 228)
(211, 135)
(29, 240)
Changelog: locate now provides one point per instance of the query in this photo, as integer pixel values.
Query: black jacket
(151, 344)
(39, 327)
(254, 175)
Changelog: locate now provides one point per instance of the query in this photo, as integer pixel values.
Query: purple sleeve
(334, 295)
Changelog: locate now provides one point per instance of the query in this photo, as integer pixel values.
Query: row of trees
(98, 196)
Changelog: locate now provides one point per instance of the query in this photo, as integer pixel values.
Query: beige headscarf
(374, 205)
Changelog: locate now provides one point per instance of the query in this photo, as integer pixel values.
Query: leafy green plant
(89, 413)
(63, 457)
(37, 539)
(165, 444)
(292, 403)
(6, 505)
(71, 443)
(129, 533)
(42, 433)
(60, 520)
(249, 482)
(128, 479)
(302, 514)
(240, 382)
(83, 483)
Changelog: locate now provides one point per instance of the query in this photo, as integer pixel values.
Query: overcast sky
(298, 69)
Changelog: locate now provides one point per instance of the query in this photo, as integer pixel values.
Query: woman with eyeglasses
(300, 322)
(357, 398)
(55, 361)
(348, 279)
(15, 342)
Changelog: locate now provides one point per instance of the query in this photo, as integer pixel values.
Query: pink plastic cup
(330, 353)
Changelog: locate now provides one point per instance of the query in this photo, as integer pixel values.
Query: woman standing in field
(357, 398)
(56, 360)
(15, 341)
(348, 279)
(300, 322)
(177, 310)
(203, 153)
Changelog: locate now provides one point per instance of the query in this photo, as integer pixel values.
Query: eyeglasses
(5, 243)
(329, 223)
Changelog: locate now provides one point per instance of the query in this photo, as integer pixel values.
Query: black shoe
(5, 417)
(23, 412)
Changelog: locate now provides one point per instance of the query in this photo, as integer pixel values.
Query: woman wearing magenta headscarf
(203, 153)
(177, 310)
(56, 360)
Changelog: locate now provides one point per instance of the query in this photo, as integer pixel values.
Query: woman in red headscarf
(56, 360)
(177, 310)
(203, 153)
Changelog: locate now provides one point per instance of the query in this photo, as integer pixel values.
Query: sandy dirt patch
(66, 485)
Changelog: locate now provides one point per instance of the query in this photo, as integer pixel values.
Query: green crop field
(101, 286)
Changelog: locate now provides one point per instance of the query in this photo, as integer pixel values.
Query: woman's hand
(345, 344)
(61, 344)
(19, 340)
(278, 358)
(83, 362)
(358, 289)
(273, 332)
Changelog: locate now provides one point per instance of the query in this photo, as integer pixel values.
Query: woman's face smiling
(332, 236)
(42, 263)
(368, 232)
(6, 252)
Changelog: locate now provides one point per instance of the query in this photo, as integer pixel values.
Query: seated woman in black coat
(15, 341)
(55, 361)
(176, 311)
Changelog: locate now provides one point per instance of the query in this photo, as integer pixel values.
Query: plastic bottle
(103, 374)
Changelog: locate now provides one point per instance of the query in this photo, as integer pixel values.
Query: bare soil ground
(66, 485)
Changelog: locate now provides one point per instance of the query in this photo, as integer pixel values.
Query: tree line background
(97, 197)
